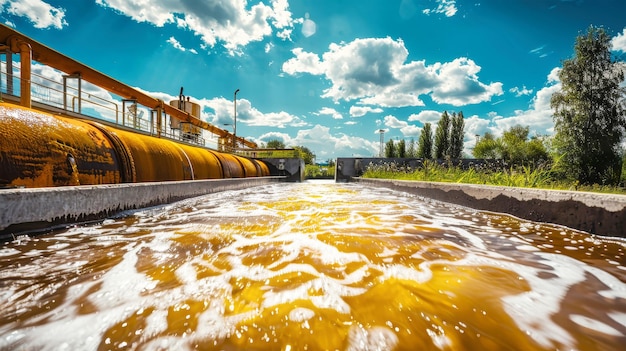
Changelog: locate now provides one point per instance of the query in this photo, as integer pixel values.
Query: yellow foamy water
(313, 266)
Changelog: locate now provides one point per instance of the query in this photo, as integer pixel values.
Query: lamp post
(235, 120)
(382, 141)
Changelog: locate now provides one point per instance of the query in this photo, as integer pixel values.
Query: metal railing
(50, 92)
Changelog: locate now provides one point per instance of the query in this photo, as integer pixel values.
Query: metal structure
(13, 42)
(382, 141)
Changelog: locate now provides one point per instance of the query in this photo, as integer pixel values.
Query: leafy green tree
(425, 147)
(514, 146)
(456, 135)
(390, 150)
(275, 144)
(487, 147)
(401, 152)
(411, 152)
(442, 136)
(305, 154)
(589, 117)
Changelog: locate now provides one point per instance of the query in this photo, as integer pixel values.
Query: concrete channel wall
(602, 214)
(30, 210)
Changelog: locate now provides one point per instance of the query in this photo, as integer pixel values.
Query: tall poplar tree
(456, 136)
(590, 110)
(425, 144)
(390, 149)
(442, 136)
(401, 152)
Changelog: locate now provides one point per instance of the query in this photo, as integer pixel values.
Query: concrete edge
(595, 213)
(24, 211)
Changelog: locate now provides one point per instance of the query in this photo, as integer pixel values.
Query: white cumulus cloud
(405, 128)
(375, 72)
(177, 45)
(446, 7)
(328, 111)
(619, 42)
(39, 12)
(359, 111)
(234, 24)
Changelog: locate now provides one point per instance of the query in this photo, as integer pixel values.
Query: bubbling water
(313, 266)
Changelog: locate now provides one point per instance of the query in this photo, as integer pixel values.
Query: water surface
(313, 266)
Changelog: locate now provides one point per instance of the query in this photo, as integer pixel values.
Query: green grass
(524, 177)
(318, 172)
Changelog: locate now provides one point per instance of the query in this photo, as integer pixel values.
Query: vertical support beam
(26, 56)
(9, 66)
(80, 98)
(159, 111)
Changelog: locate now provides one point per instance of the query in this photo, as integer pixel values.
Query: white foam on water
(9, 252)
(377, 338)
(120, 291)
(301, 314)
(595, 325)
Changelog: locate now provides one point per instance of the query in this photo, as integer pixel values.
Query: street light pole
(235, 121)
(382, 141)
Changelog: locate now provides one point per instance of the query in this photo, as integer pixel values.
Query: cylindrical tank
(231, 166)
(40, 150)
(155, 159)
(204, 163)
(249, 167)
(265, 170)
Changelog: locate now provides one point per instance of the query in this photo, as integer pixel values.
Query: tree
(456, 136)
(275, 144)
(514, 147)
(305, 154)
(513, 144)
(487, 147)
(442, 136)
(390, 150)
(411, 152)
(589, 117)
(425, 147)
(401, 152)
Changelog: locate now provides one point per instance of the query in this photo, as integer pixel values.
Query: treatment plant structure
(59, 165)
(48, 140)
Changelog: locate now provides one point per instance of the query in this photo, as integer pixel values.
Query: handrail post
(26, 56)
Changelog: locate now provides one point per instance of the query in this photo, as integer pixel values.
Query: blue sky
(327, 74)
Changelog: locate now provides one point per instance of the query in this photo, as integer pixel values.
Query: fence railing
(68, 97)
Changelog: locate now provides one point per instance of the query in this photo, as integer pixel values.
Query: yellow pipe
(38, 149)
(42, 150)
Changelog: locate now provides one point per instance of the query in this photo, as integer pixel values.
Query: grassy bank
(542, 177)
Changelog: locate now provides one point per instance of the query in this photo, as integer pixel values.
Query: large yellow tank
(155, 159)
(40, 150)
(249, 167)
(230, 165)
(265, 171)
(204, 163)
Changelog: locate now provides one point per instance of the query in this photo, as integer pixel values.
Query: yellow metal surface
(249, 167)
(38, 149)
(205, 164)
(156, 159)
(41, 150)
(230, 165)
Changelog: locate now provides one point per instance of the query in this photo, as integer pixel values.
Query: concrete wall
(602, 214)
(290, 168)
(36, 209)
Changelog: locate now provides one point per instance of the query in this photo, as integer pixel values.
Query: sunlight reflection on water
(314, 266)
